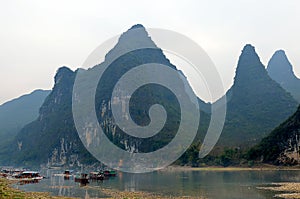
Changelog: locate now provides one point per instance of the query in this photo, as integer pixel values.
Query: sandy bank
(257, 168)
(289, 190)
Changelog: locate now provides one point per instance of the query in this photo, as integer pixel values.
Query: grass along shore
(8, 192)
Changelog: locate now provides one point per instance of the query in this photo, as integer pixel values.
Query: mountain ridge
(17, 112)
(53, 137)
(281, 70)
(256, 103)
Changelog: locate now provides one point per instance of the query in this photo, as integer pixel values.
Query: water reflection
(57, 185)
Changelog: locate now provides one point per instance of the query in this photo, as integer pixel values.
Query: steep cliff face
(52, 137)
(282, 146)
(62, 154)
(141, 100)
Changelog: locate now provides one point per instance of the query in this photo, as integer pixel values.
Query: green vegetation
(7, 192)
(281, 147)
(228, 157)
(256, 104)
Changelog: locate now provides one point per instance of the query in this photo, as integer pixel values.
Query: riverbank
(288, 190)
(264, 167)
(175, 174)
(7, 192)
(115, 194)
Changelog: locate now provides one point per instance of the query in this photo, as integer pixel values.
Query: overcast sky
(37, 37)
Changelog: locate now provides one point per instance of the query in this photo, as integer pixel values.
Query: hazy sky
(37, 37)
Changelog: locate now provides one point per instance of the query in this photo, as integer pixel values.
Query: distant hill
(282, 146)
(16, 113)
(256, 103)
(281, 70)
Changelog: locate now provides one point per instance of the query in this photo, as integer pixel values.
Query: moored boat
(96, 176)
(26, 176)
(82, 178)
(110, 173)
(29, 175)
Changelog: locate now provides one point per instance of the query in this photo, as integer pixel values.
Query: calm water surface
(211, 184)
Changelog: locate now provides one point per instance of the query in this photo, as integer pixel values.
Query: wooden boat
(110, 173)
(106, 173)
(82, 178)
(26, 177)
(29, 175)
(67, 174)
(96, 176)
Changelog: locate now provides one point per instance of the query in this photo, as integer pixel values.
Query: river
(210, 184)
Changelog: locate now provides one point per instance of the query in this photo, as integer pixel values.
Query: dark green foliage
(228, 157)
(191, 156)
